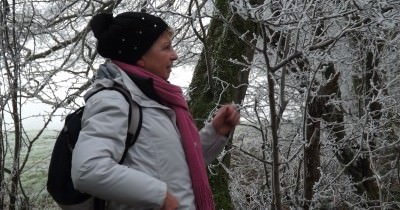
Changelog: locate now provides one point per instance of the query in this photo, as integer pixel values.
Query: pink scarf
(172, 97)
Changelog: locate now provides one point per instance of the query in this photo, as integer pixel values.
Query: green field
(34, 174)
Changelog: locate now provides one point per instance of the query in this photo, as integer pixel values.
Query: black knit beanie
(126, 37)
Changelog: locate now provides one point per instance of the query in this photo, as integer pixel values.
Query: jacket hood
(107, 74)
(108, 70)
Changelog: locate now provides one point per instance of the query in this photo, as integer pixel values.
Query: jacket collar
(108, 73)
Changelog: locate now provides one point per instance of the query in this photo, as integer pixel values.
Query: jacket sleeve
(95, 169)
(212, 143)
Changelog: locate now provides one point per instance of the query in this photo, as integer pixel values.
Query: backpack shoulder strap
(135, 119)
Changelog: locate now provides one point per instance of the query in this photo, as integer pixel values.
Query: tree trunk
(3, 7)
(312, 160)
(11, 64)
(9, 50)
(276, 187)
(15, 171)
(2, 153)
(216, 80)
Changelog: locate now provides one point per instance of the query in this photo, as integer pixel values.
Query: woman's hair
(128, 36)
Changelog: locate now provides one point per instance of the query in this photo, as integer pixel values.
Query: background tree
(308, 57)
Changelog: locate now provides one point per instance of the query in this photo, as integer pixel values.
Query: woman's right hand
(170, 202)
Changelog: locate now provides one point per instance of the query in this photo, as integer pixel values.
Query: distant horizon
(179, 76)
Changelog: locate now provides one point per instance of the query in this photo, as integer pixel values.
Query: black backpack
(59, 183)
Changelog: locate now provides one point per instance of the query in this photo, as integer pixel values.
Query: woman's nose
(174, 55)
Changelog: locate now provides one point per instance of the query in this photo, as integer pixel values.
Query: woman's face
(159, 58)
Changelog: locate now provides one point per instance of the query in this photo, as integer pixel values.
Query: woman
(166, 167)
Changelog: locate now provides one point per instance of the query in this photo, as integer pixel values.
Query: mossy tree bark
(216, 80)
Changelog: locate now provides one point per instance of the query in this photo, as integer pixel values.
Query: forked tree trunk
(2, 137)
(12, 62)
(216, 80)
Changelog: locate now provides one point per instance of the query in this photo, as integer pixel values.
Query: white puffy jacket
(154, 164)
